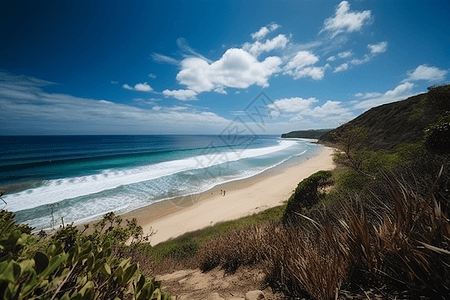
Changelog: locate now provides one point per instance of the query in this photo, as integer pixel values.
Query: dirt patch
(215, 284)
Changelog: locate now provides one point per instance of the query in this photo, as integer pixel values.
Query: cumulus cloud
(331, 108)
(264, 31)
(341, 68)
(235, 69)
(301, 65)
(331, 58)
(424, 72)
(377, 48)
(401, 92)
(293, 105)
(256, 48)
(183, 95)
(345, 20)
(151, 75)
(300, 109)
(139, 87)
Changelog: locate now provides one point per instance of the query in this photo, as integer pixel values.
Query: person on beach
(224, 193)
(221, 193)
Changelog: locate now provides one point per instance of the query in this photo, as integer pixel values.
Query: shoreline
(172, 218)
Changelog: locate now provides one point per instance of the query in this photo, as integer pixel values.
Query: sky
(208, 67)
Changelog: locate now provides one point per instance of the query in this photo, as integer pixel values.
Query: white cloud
(401, 92)
(163, 59)
(301, 60)
(368, 95)
(341, 68)
(273, 26)
(424, 72)
(261, 33)
(345, 20)
(331, 58)
(143, 87)
(187, 51)
(358, 61)
(293, 105)
(328, 115)
(378, 48)
(331, 108)
(374, 51)
(345, 54)
(300, 66)
(235, 69)
(151, 75)
(316, 73)
(183, 95)
(264, 31)
(256, 48)
(139, 87)
(114, 82)
(36, 111)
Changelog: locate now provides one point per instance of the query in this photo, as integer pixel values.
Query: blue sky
(199, 67)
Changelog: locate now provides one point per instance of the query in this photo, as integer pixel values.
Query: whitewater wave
(57, 190)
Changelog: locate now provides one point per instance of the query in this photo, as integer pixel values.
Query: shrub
(437, 136)
(306, 195)
(68, 266)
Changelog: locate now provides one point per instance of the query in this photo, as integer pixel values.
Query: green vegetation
(71, 265)
(382, 231)
(188, 245)
(306, 195)
(306, 134)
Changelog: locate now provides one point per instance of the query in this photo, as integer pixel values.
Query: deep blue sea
(80, 178)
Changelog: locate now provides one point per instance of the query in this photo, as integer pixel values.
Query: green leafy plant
(70, 265)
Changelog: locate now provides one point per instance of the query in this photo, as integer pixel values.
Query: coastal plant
(239, 247)
(67, 266)
(307, 194)
(437, 136)
(392, 242)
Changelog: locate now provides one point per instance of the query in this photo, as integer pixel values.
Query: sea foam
(57, 190)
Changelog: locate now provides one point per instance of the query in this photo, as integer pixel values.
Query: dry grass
(395, 242)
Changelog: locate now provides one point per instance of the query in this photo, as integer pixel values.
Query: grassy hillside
(400, 122)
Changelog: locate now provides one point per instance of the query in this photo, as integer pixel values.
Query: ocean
(80, 178)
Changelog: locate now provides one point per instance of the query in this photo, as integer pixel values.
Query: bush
(68, 266)
(437, 136)
(306, 195)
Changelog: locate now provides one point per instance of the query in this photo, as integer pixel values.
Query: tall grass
(395, 242)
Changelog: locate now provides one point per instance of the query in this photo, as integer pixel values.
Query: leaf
(41, 261)
(54, 263)
(128, 274)
(87, 292)
(8, 272)
(140, 283)
(106, 270)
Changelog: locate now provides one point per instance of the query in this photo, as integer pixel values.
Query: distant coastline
(306, 134)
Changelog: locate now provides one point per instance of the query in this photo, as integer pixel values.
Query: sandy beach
(271, 188)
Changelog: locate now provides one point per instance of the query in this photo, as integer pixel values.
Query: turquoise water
(81, 178)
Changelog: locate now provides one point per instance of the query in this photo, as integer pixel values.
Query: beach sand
(243, 198)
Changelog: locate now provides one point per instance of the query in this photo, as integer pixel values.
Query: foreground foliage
(71, 265)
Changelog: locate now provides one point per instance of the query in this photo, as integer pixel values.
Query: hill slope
(391, 124)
